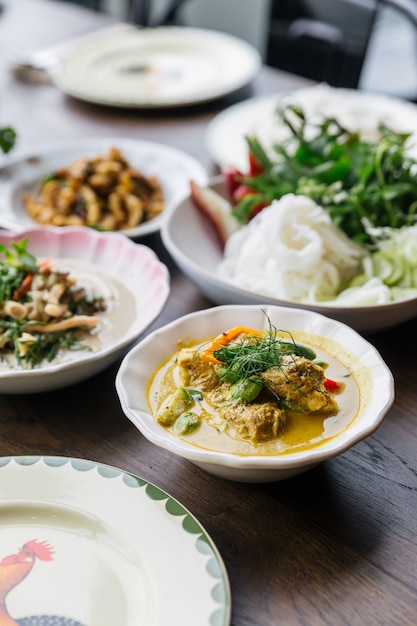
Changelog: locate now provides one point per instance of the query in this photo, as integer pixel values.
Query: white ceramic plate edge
(64, 483)
(239, 75)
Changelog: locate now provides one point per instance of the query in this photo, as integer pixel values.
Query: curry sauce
(307, 416)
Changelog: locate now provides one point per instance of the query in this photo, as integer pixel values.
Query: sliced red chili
(331, 385)
(255, 167)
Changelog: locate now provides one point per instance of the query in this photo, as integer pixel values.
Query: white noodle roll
(291, 250)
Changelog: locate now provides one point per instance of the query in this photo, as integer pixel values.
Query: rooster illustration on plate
(16, 567)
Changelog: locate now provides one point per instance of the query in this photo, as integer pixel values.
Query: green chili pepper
(246, 390)
(187, 423)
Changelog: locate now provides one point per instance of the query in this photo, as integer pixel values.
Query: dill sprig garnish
(241, 355)
(245, 360)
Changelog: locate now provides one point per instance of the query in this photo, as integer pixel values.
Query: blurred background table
(336, 545)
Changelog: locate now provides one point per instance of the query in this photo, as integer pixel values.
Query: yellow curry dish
(253, 392)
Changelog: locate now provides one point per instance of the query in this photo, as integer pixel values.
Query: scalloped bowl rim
(360, 428)
(37, 236)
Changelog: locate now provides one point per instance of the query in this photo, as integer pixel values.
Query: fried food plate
(24, 172)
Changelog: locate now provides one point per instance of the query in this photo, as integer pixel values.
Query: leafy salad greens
(367, 185)
(355, 178)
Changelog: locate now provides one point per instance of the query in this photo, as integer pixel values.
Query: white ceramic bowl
(376, 388)
(140, 279)
(192, 242)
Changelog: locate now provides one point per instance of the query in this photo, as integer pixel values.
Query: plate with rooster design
(86, 544)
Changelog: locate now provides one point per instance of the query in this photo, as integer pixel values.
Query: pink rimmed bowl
(138, 282)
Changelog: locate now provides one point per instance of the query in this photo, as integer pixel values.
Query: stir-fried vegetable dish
(42, 310)
(248, 384)
(103, 192)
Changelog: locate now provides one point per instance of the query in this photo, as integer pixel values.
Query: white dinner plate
(158, 67)
(358, 110)
(24, 172)
(85, 544)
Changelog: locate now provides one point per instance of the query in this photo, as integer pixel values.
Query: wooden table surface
(336, 545)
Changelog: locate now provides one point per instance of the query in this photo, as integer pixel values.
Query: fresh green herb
(7, 139)
(243, 363)
(355, 179)
(47, 346)
(50, 178)
(18, 256)
(17, 264)
(247, 360)
(40, 346)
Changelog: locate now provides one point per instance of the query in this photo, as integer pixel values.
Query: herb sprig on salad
(358, 180)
